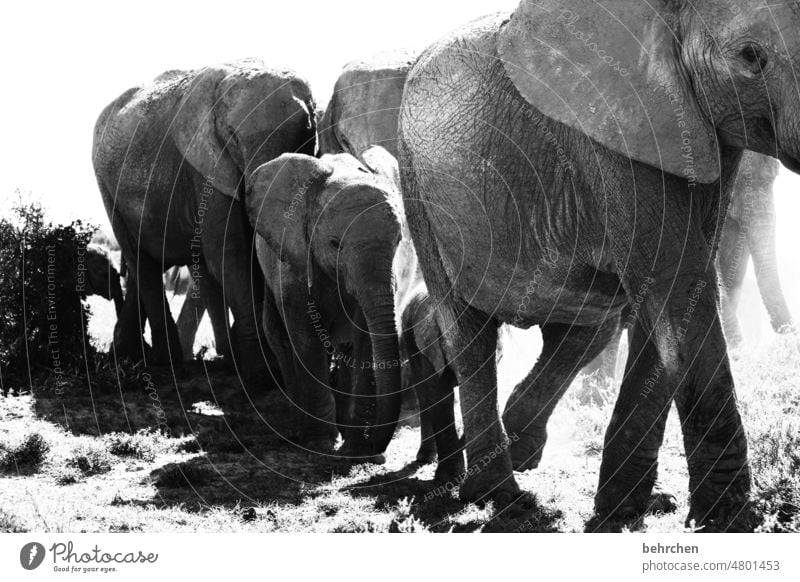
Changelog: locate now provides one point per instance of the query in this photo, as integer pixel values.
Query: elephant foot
(322, 447)
(489, 479)
(724, 517)
(134, 350)
(359, 452)
(526, 452)
(611, 515)
(451, 469)
(426, 453)
(661, 501)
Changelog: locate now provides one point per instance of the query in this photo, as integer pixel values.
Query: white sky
(62, 62)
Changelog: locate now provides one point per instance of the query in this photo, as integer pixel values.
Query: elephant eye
(336, 243)
(754, 57)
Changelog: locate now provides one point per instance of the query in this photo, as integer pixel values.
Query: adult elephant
(98, 276)
(565, 159)
(365, 105)
(172, 160)
(750, 232)
(328, 231)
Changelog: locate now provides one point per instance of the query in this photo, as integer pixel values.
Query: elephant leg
(642, 407)
(471, 345)
(761, 238)
(189, 319)
(686, 360)
(305, 368)
(439, 437)
(357, 395)
(734, 254)
(227, 250)
(427, 442)
(129, 330)
(214, 302)
(604, 366)
(342, 380)
(566, 350)
(149, 288)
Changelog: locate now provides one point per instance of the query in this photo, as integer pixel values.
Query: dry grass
(97, 459)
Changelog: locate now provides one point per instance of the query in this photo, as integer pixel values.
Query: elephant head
(338, 224)
(663, 82)
(233, 118)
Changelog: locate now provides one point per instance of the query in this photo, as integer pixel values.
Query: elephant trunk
(380, 316)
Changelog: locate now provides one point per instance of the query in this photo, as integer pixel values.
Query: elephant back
(365, 105)
(222, 121)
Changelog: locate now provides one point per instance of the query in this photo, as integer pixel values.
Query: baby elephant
(100, 278)
(328, 229)
(433, 381)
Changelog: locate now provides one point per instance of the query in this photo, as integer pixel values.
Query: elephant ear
(277, 205)
(383, 164)
(610, 69)
(196, 135)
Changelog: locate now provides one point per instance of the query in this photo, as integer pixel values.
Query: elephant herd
(516, 172)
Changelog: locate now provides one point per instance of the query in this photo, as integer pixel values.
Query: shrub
(25, 457)
(90, 459)
(43, 321)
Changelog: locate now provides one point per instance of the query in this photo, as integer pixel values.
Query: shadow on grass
(436, 506)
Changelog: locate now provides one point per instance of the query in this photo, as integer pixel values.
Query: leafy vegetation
(43, 321)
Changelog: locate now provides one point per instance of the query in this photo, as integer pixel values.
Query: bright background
(62, 62)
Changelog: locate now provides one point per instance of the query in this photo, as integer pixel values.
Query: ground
(190, 450)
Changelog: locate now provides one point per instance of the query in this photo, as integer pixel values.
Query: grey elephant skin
(101, 277)
(328, 231)
(171, 159)
(560, 161)
(365, 105)
(750, 233)
(427, 372)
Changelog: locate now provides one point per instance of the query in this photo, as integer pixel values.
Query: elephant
(199, 299)
(749, 229)
(569, 160)
(750, 232)
(328, 230)
(99, 277)
(428, 373)
(365, 105)
(172, 160)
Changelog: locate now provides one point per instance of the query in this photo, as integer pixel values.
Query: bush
(90, 458)
(26, 457)
(43, 321)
